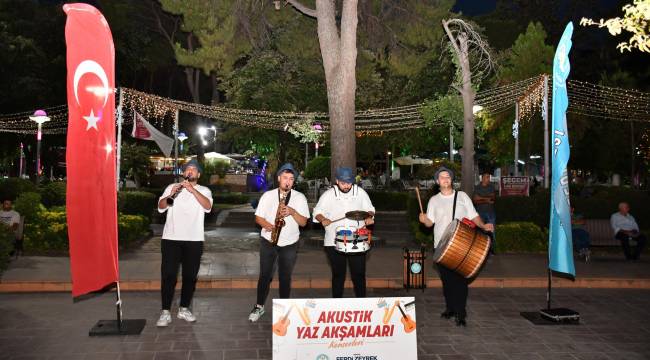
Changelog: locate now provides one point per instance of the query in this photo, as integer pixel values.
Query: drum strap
(453, 211)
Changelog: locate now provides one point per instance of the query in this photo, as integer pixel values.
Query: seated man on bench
(626, 231)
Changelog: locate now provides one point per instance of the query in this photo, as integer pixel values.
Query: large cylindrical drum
(462, 249)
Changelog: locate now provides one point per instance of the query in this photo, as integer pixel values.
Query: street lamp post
(39, 117)
(182, 137)
(203, 131)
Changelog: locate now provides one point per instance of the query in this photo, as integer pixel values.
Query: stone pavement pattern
(615, 325)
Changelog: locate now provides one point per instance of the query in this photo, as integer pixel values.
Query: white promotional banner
(344, 329)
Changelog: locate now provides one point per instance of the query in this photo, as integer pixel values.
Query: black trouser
(625, 242)
(338, 263)
(286, 259)
(454, 288)
(175, 253)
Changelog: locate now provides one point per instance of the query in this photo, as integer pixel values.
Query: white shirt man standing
(440, 211)
(341, 198)
(295, 212)
(182, 241)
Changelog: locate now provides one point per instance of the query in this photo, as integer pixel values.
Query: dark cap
(345, 174)
(193, 163)
(286, 167)
(441, 169)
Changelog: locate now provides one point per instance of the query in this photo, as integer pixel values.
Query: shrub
(520, 237)
(131, 228)
(53, 194)
(47, 232)
(389, 201)
(11, 188)
(318, 168)
(213, 167)
(7, 238)
(229, 198)
(136, 203)
(28, 204)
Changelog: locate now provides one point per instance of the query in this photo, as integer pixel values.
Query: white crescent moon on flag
(89, 66)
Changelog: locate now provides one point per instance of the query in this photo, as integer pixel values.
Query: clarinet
(279, 220)
(170, 200)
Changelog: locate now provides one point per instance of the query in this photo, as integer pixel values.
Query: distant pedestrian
(626, 230)
(11, 218)
(484, 199)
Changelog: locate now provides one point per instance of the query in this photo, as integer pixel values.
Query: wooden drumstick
(417, 192)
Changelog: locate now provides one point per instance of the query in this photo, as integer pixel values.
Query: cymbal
(357, 215)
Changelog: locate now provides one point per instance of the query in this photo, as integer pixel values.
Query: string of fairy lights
(585, 99)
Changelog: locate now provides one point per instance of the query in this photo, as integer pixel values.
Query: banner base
(112, 327)
(560, 315)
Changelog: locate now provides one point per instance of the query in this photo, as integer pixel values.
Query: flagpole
(547, 169)
(176, 144)
(118, 152)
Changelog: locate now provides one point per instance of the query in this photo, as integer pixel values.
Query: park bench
(601, 232)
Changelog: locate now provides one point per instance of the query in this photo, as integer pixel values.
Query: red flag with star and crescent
(91, 180)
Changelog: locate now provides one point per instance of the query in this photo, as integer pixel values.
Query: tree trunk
(467, 183)
(339, 61)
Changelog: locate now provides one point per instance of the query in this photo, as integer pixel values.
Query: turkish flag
(92, 185)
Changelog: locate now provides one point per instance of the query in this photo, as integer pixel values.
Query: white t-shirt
(439, 211)
(333, 204)
(185, 218)
(9, 217)
(267, 208)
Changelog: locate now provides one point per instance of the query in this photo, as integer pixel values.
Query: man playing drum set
(441, 212)
(331, 210)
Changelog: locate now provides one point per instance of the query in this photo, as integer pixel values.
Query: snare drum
(462, 249)
(351, 242)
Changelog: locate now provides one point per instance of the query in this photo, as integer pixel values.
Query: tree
(529, 56)
(339, 53)
(636, 21)
(467, 45)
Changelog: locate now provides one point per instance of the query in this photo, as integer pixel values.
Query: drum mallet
(417, 192)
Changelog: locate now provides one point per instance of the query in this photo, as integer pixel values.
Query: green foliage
(12, 187)
(318, 168)
(529, 55)
(49, 234)
(520, 237)
(446, 110)
(135, 163)
(136, 203)
(213, 167)
(53, 194)
(7, 239)
(131, 228)
(230, 198)
(213, 26)
(388, 201)
(29, 205)
(46, 233)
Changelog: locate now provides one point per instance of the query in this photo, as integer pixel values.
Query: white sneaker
(165, 319)
(185, 314)
(256, 313)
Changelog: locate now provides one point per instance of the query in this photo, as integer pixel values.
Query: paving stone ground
(615, 325)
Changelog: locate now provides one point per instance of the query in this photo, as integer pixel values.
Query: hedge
(318, 168)
(137, 203)
(389, 201)
(593, 203)
(11, 188)
(230, 198)
(6, 245)
(520, 237)
(53, 194)
(48, 233)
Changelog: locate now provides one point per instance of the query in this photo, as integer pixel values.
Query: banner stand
(118, 326)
